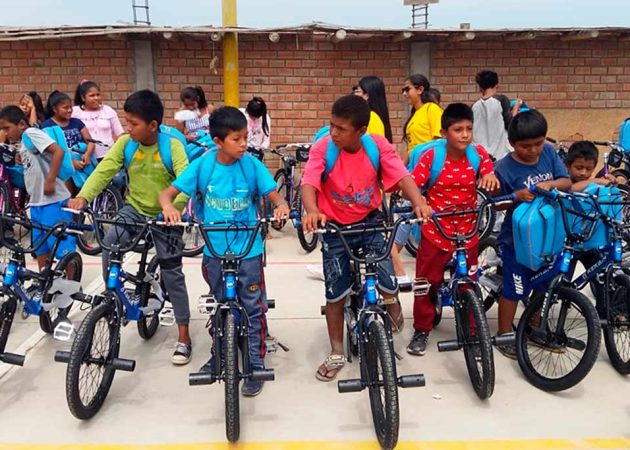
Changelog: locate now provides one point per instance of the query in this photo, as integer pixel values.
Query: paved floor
(155, 408)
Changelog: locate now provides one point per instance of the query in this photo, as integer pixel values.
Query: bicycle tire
(148, 325)
(232, 414)
(88, 245)
(486, 227)
(382, 385)
(617, 330)
(7, 313)
(193, 240)
(478, 346)
(280, 178)
(5, 207)
(307, 244)
(566, 297)
(490, 297)
(46, 321)
(82, 348)
(439, 309)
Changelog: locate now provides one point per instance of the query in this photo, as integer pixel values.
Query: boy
(46, 191)
(224, 179)
(581, 160)
(148, 176)
(351, 194)
(454, 187)
(531, 163)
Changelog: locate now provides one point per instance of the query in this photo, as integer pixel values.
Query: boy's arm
(171, 213)
(57, 159)
(420, 207)
(489, 180)
(313, 217)
(104, 172)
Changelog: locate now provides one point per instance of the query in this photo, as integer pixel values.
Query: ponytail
(257, 108)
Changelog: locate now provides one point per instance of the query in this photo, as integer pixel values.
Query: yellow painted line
(545, 444)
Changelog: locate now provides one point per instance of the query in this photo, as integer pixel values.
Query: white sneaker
(317, 270)
(182, 354)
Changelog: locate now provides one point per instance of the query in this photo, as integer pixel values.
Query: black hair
(582, 149)
(226, 119)
(434, 95)
(257, 108)
(145, 104)
(353, 108)
(38, 104)
(194, 93)
(377, 100)
(487, 79)
(82, 89)
(54, 99)
(13, 114)
(417, 80)
(527, 125)
(456, 112)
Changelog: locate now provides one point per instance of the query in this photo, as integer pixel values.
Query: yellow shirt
(424, 126)
(376, 125)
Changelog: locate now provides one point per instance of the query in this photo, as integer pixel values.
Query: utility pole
(230, 56)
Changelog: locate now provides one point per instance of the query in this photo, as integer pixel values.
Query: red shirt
(454, 188)
(351, 190)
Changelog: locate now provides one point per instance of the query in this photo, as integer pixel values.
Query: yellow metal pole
(230, 56)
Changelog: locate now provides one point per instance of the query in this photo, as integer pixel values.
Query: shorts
(338, 266)
(50, 215)
(517, 284)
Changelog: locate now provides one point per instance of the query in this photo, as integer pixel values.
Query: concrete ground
(154, 407)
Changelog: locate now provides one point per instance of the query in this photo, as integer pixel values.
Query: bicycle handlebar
(58, 229)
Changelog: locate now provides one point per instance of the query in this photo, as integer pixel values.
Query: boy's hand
(77, 203)
(282, 211)
(524, 195)
(79, 165)
(49, 187)
(312, 220)
(423, 212)
(546, 185)
(489, 182)
(171, 214)
(85, 159)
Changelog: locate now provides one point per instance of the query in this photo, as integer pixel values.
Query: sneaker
(509, 351)
(182, 354)
(252, 388)
(418, 344)
(317, 270)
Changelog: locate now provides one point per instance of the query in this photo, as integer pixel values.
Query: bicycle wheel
(491, 271)
(5, 207)
(476, 337)
(89, 375)
(7, 312)
(489, 215)
(308, 241)
(567, 349)
(413, 240)
(107, 204)
(193, 240)
(381, 378)
(71, 266)
(148, 325)
(281, 188)
(617, 331)
(232, 415)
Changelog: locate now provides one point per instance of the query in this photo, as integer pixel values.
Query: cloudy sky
(366, 13)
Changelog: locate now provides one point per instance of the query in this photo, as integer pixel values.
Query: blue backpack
(194, 151)
(624, 135)
(439, 157)
(164, 149)
(56, 133)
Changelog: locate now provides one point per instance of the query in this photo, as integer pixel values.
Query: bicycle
(369, 333)
(13, 196)
(93, 358)
(228, 323)
(560, 147)
(49, 294)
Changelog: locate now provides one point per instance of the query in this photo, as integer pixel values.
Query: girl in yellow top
(372, 89)
(424, 123)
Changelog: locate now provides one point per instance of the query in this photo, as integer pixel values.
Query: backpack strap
(164, 149)
(208, 164)
(369, 146)
(439, 158)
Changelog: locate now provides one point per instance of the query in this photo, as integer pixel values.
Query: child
(258, 123)
(31, 104)
(41, 169)
(221, 178)
(198, 111)
(351, 194)
(531, 163)
(148, 176)
(454, 187)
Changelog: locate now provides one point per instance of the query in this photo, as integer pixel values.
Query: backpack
(164, 149)
(194, 151)
(439, 157)
(624, 135)
(56, 133)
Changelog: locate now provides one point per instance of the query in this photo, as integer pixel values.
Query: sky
(360, 13)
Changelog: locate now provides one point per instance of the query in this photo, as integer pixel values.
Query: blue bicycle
(229, 327)
(48, 294)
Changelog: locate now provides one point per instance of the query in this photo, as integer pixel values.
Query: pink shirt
(352, 190)
(102, 124)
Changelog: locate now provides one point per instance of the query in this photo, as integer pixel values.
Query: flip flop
(332, 364)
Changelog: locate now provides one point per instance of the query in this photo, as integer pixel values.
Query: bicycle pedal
(207, 305)
(166, 317)
(273, 344)
(63, 331)
(421, 286)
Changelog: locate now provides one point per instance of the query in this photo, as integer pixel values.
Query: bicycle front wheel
(232, 414)
(382, 386)
(281, 188)
(561, 355)
(71, 266)
(107, 204)
(148, 324)
(308, 241)
(7, 312)
(617, 330)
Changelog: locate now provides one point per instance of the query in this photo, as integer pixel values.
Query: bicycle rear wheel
(71, 265)
(107, 204)
(491, 271)
(383, 390)
(281, 188)
(560, 356)
(148, 325)
(232, 378)
(617, 330)
(308, 241)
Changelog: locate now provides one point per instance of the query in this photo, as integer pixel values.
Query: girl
(194, 101)
(101, 120)
(258, 123)
(31, 105)
(372, 89)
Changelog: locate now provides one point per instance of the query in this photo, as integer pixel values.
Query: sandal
(332, 365)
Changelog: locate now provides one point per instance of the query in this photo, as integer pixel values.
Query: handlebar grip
(503, 198)
(543, 193)
(401, 209)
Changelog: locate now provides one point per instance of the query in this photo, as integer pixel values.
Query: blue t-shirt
(227, 198)
(515, 176)
(72, 132)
